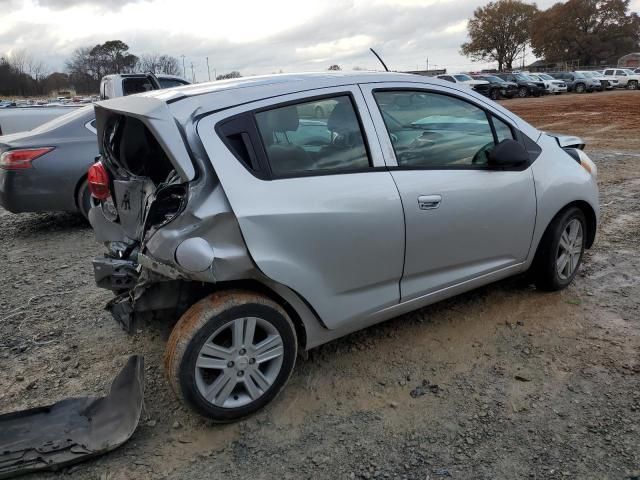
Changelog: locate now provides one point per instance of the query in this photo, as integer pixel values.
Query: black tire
(318, 112)
(83, 199)
(580, 88)
(201, 321)
(523, 92)
(632, 85)
(545, 273)
(494, 94)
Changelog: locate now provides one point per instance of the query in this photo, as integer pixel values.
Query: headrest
(342, 118)
(283, 119)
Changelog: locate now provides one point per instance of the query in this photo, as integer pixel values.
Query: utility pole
(193, 75)
(184, 71)
(208, 70)
(427, 64)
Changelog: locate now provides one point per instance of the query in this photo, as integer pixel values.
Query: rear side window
(322, 135)
(438, 131)
(136, 85)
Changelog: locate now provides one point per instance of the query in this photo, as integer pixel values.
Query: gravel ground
(500, 383)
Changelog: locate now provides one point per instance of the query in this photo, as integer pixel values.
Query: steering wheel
(481, 156)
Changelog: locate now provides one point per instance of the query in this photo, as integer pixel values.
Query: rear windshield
(136, 85)
(130, 147)
(171, 82)
(79, 114)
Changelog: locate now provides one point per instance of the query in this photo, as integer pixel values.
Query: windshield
(521, 77)
(579, 75)
(587, 74)
(463, 78)
(630, 72)
(491, 78)
(544, 76)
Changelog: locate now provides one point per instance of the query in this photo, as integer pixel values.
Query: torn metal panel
(72, 430)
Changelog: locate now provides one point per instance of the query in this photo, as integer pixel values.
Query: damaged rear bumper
(145, 287)
(74, 429)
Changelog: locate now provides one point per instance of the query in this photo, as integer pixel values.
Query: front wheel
(580, 88)
(494, 94)
(523, 92)
(230, 354)
(632, 85)
(560, 251)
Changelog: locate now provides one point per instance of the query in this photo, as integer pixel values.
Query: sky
(251, 36)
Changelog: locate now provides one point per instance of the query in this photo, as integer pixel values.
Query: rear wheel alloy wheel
(494, 94)
(523, 92)
(230, 354)
(580, 88)
(243, 371)
(560, 251)
(632, 85)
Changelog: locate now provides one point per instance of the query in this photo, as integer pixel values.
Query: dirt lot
(605, 120)
(501, 383)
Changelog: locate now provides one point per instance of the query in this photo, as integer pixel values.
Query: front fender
(559, 181)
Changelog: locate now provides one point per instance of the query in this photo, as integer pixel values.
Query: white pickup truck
(626, 78)
(21, 118)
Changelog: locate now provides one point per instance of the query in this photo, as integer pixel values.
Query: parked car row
(45, 168)
(525, 84)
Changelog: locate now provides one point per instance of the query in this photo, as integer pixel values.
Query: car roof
(287, 83)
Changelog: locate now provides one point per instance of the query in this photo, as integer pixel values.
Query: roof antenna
(378, 57)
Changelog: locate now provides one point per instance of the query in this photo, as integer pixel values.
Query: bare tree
(19, 60)
(168, 65)
(37, 69)
(148, 62)
(226, 76)
(157, 63)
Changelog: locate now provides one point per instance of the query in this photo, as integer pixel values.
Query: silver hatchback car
(263, 229)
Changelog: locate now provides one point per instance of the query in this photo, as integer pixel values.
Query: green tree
(590, 31)
(499, 32)
(113, 57)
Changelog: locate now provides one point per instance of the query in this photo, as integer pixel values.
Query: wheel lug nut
(241, 373)
(242, 351)
(252, 361)
(230, 364)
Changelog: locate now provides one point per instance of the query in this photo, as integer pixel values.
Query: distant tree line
(23, 75)
(590, 32)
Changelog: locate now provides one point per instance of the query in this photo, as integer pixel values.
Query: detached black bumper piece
(72, 430)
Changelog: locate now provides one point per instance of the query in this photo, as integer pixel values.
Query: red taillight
(98, 179)
(21, 158)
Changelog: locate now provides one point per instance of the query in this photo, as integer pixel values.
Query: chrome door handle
(429, 202)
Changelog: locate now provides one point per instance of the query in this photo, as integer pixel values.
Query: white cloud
(253, 36)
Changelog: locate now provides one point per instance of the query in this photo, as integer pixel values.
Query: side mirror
(508, 153)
